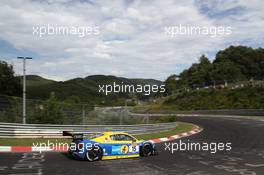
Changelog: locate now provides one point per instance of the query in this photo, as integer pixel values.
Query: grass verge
(182, 127)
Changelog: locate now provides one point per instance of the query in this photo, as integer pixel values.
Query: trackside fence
(17, 130)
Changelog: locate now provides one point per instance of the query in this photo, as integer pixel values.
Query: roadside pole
(24, 88)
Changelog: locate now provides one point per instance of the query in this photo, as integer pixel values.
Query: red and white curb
(178, 136)
(32, 149)
(64, 148)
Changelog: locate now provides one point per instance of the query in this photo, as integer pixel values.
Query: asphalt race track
(245, 158)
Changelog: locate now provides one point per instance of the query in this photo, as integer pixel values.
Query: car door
(123, 144)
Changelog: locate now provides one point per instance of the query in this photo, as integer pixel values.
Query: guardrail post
(147, 117)
(83, 114)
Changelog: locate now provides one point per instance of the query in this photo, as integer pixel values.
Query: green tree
(73, 110)
(232, 64)
(72, 100)
(248, 60)
(226, 71)
(9, 83)
(202, 75)
(198, 75)
(51, 111)
(171, 84)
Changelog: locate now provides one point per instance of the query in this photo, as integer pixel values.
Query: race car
(109, 145)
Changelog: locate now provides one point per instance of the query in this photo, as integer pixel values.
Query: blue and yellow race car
(109, 145)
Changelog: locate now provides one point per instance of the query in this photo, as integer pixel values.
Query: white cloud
(132, 42)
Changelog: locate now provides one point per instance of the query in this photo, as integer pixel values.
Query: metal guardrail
(240, 112)
(17, 130)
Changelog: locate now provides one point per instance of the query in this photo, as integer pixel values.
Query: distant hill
(84, 88)
(35, 80)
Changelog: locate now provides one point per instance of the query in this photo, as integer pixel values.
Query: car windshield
(95, 135)
(122, 137)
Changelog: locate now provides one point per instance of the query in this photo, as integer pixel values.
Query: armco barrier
(17, 130)
(239, 112)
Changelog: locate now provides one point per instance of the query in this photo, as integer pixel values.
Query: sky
(128, 37)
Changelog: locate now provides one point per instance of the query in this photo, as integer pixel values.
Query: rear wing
(78, 136)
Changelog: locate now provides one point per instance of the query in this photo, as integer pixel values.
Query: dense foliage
(242, 98)
(234, 80)
(9, 83)
(236, 63)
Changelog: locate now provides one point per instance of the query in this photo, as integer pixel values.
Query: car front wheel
(146, 150)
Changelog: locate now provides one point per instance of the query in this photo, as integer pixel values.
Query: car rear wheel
(94, 154)
(146, 150)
